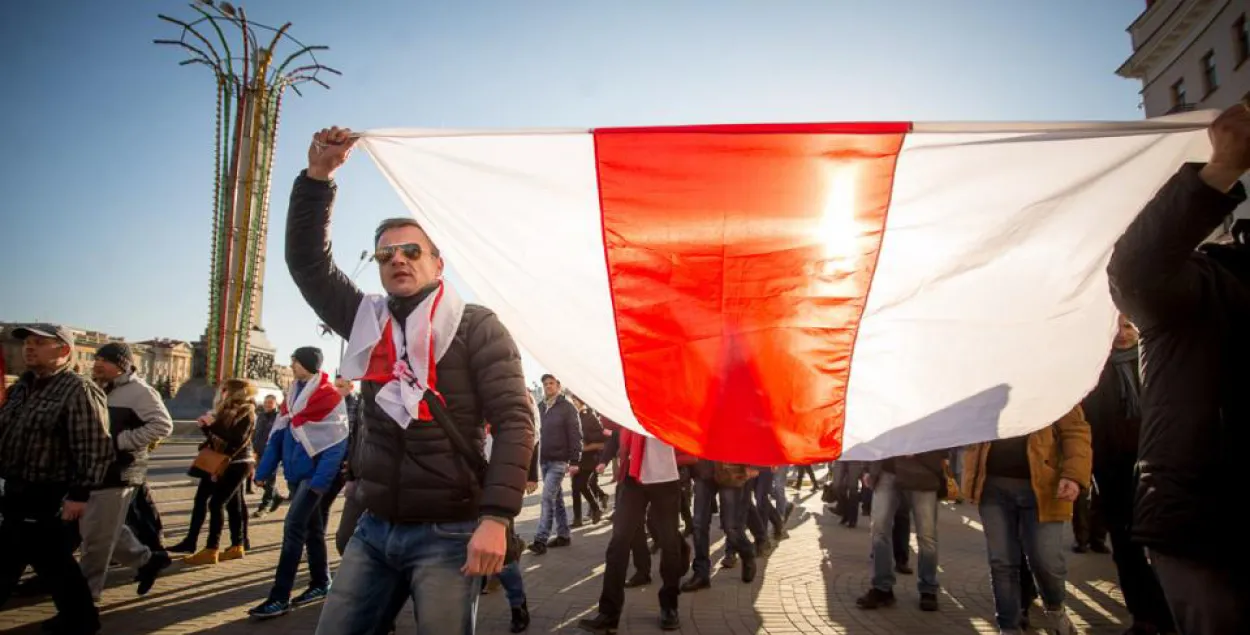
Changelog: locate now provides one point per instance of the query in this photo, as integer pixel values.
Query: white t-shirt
(659, 463)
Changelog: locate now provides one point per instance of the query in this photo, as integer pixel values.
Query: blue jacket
(297, 466)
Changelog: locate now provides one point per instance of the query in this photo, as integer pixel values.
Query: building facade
(164, 363)
(1191, 55)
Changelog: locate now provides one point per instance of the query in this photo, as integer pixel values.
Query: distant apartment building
(1191, 54)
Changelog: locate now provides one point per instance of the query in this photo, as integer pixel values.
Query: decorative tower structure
(251, 79)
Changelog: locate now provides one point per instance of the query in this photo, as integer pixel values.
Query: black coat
(1193, 311)
(414, 474)
(561, 431)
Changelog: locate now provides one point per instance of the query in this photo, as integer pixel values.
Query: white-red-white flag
(788, 293)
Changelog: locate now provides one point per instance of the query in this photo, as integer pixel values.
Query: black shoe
(520, 618)
(637, 581)
(669, 621)
(903, 569)
(186, 546)
(277, 500)
(748, 570)
(1080, 548)
(780, 535)
(559, 541)
(538, 548)
(601, 624)
(313, 594)
(730, 561)
(695, 583)
(157, 562)
(765, 549)
(875, 599)
(1098, 547)
(596, 516)
(928, 602)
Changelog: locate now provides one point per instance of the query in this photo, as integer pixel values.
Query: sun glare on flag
(838, 231)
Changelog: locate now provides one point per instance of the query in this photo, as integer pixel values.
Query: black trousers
(633, 499)
(1143, 596)
(32, 533)
(1206, 598)
(749, 517)
(221, 499)
(582, 485)
(144, 519)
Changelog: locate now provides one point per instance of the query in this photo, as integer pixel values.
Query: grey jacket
(137, 419)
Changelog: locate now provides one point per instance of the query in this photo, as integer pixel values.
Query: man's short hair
(402, 221)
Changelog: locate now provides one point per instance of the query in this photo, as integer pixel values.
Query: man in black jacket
(1113, 410)
(433, 525)
(1193, 308)
(560, 452)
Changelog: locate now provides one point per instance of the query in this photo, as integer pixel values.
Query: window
(1241, 41)
(1210, 81)
(1178, 94)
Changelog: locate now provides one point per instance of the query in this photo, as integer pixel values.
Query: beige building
(1191, 54)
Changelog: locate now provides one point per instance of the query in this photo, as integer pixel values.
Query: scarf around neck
(403, 359)
(1126, 363)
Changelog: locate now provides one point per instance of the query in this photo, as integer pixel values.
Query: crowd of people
(437, 450)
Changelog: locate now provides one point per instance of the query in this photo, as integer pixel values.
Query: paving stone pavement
(808, 585)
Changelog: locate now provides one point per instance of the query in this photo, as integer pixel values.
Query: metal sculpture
(249, 98)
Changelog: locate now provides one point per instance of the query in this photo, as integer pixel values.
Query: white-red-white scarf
(428, 332)
(317, 416)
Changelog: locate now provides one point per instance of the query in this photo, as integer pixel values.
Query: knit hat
(118, 354)
(309, 357)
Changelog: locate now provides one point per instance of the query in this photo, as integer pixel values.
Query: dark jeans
(1009, 515)
(1143, 596)
(749, 517)
(269, 494)
(581, 485)
(304, 529)
(763, 501)
(1087, 522)
(329, 496)
(144, 519)
(32, 533)
(732, 499)
(633, 499)
(1205, 598)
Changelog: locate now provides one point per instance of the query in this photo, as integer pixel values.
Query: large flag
(792, 292)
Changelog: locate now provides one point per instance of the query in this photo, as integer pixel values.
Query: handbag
(210, 463)
(477, 463)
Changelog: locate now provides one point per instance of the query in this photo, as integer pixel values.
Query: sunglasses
(383, 255)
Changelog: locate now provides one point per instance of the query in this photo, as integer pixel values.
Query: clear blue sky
(107, 173)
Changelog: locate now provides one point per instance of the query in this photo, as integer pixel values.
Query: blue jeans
(732, 500)
(780, 473)
(513, 585)
(764, 488)
(303, 528)
(1009, 513)
(553, 501)
(424, 558)
(886, 499)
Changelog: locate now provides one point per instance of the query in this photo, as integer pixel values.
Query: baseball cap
(44, 330)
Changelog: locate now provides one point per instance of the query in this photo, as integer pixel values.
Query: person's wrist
(318, 173)
(1220, 176)
(502, 522)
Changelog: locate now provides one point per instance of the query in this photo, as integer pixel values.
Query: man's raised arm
(326, 288)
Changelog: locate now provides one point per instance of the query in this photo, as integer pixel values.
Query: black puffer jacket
(561, 431)
(1193, 311)
(414, 474)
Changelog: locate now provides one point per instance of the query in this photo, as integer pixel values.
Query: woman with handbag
(223, 464)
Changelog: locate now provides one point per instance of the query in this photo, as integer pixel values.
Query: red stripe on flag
(868, 127)
(740, 265)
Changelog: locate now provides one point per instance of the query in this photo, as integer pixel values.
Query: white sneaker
(1060, 623)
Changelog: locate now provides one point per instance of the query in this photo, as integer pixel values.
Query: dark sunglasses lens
(384, 255)
(410, 251)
